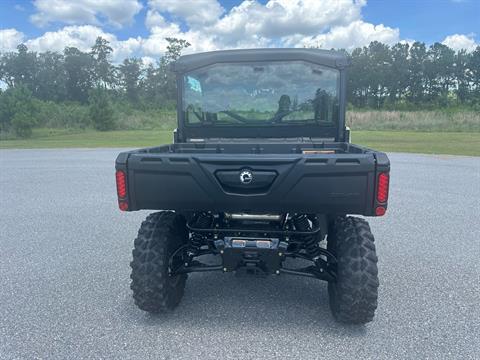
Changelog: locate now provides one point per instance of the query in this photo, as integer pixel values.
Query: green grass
(424, 121)
(46, 138)
(454, 143)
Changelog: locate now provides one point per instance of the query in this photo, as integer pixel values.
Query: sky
(139, 27)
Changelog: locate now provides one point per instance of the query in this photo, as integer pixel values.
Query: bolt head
(221, 251)
(280, 254)
(225, 269)
(277, 272)
(186, 264)
(321, 270)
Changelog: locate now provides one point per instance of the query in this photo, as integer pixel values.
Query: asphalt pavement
(64, 273)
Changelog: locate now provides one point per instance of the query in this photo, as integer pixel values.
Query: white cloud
(355, 34)
(156, 44)
(9, 39)
(459, 41)
(196, 13)
(160, 29)
(286, 17)
(153, 19)
(85, 11)
(123, 49)
(207, 26)
(83, 37)
(253, 24)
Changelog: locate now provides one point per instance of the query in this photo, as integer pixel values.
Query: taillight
(121, 189)
(382, 187)
(121, 184)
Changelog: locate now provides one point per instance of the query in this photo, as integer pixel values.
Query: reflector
(380, 211)
(123, 205)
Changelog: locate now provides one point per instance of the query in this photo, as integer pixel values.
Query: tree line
(83, 84)
(71, 75)
(405, 76)
(413, 76)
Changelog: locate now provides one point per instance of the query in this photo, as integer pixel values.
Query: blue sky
(426, 20)
(138, 27)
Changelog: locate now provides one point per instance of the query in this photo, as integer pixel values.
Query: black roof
(329, 58)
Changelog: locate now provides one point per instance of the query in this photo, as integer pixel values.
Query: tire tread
(353, 298)
(159, 234)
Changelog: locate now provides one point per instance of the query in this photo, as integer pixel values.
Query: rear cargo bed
(249, 147)
(286, 177)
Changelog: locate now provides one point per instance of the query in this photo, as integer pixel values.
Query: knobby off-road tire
(154, 290)
(353, 297)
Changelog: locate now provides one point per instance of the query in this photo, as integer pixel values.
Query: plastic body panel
(336, 183)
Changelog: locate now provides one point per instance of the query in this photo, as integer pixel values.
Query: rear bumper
(323, 184)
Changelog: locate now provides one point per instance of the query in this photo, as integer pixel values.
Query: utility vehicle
(261, 170)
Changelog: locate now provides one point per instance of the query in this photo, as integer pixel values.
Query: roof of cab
(329, 58)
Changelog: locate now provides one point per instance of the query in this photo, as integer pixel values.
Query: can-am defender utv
(260, 170)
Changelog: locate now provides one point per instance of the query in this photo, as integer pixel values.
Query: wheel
(353, 297)
(154, 289)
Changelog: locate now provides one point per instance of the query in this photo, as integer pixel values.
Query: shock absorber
(202, 221)
(304, 223)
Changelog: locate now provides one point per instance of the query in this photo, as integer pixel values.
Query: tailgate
(327, 183)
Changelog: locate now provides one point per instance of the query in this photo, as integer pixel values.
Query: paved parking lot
(64, 272)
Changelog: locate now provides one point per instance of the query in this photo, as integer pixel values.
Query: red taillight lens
(121, 184)
(382, 187)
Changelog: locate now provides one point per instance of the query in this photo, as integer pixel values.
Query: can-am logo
(246, 177)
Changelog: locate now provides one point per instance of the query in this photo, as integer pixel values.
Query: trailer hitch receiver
(259, 256)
